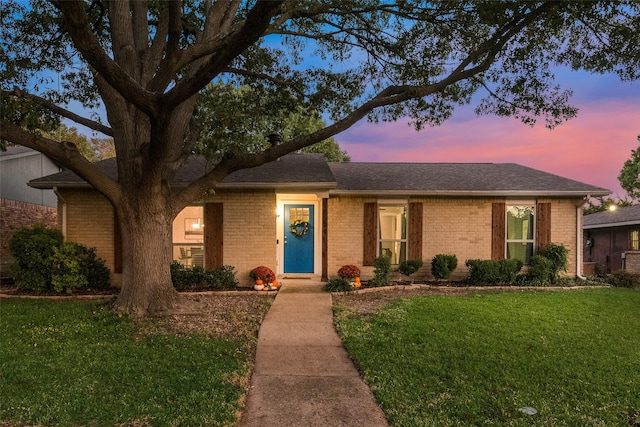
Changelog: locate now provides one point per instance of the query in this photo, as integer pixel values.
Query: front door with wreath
(298, 238)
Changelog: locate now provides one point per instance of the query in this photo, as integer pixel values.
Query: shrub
(410, 266)
(482, 272)
(338, 285)
(539, 271)
(493, 272)
(184, 278)
(381, 272)
(559, 257)
(443, 265)
(32, 249)
(624, 279)
(508, 270)
(349, 271)
(44, 262)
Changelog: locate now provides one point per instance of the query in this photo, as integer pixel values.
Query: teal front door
(298, 238)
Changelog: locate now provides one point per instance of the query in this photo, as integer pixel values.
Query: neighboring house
(18, 165)
(21, 205)
(304, 217)
(612, 240)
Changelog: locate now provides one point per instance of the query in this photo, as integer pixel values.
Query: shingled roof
(311, 171)
(628, 215)
(455, 179)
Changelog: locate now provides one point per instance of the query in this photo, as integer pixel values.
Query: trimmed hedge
(442, 265)
(184, 278)
(493, 272)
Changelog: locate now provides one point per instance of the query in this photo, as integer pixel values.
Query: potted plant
(351, 273)
(263, 276)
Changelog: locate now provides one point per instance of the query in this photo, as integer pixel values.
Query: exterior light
(612, 208)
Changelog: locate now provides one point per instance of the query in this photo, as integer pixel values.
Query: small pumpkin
(259, 282)
(275, 284)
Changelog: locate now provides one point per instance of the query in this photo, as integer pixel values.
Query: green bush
(184, 278)
(338, 285)
(624, 279)
(539, 272)
(66, 272)
(32, 249)
(410, 266)
(559, 257)
(485, 272)
(482, 272)
(442, 265)
(381, 272)
(508, 270)
(44, 262)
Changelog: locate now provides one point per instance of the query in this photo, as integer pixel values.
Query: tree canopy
(147, 63)
(630, 174)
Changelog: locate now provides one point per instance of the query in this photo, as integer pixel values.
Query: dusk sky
(591, 148)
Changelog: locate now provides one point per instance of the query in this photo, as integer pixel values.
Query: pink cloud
(591, 148)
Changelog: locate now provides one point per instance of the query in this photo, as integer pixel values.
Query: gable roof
(293, 170)
(311, 171)
(455, 179)
(623, 216)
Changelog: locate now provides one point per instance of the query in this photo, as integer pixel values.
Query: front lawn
(75, 363)
(574, 356)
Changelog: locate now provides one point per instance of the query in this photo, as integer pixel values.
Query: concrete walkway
(303, 376)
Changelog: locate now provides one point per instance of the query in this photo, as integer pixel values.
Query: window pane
(393, 222)
(188, 237)
(520, 250)
(520, 223)
(396, 251)
(634, 240)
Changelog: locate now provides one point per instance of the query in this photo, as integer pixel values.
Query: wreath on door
(299, 227)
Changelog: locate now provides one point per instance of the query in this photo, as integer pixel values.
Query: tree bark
(147, 289)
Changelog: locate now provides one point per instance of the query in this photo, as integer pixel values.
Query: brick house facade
(304, 217)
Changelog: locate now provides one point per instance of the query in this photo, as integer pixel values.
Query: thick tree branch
(91, 124)
(77, 25)
(230, 47)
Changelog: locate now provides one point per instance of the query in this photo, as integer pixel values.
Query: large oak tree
(147, 62)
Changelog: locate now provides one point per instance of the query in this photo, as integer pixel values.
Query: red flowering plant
(263, 273)
(349, 271)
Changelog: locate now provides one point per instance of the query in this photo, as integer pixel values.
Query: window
(392, 232)
(520, 232)
(188, 237)
(634, 240)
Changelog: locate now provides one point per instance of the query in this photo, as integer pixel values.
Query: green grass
(475, 360)
(75, 363)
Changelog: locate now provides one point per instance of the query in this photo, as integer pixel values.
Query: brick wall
(249, 230)
(345, 234)
(632, 262)
(15, 215)
(563, 228)
(458, 226)
(90, 221)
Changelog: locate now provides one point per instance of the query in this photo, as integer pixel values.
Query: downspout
(62, 204)
(579, 244)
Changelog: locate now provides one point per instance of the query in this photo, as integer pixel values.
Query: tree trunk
(147, 289)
